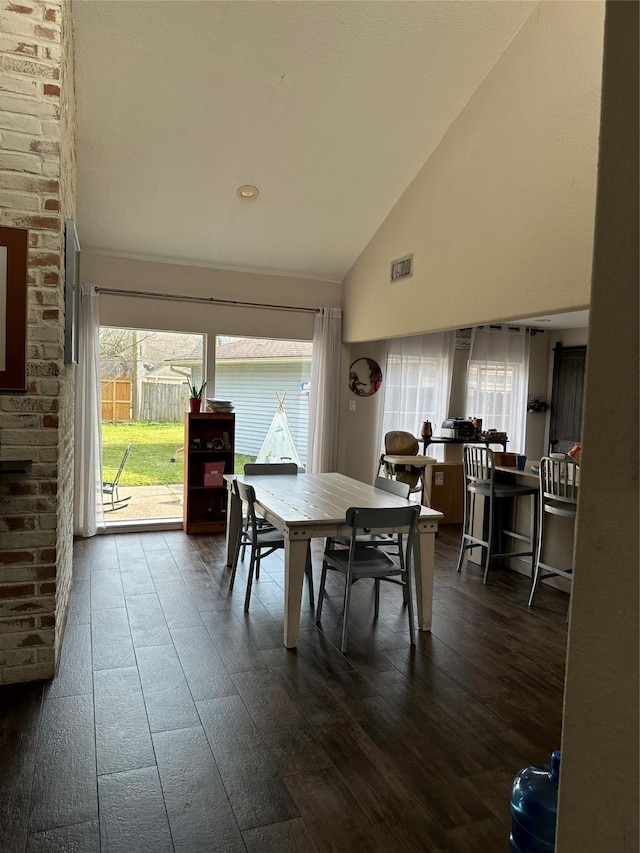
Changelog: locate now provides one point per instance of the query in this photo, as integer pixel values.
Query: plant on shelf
(195, 395)
(195, 391)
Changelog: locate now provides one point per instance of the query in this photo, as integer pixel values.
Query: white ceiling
(329, 108)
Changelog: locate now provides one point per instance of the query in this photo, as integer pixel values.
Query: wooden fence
(162, 402)
(116, 399)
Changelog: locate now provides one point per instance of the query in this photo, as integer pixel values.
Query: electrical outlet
(352, 405)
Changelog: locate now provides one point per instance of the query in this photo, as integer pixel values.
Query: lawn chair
(111, 488)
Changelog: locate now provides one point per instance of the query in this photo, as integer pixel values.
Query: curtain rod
(208, 300)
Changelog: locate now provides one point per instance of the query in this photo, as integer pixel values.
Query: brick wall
(37, 180)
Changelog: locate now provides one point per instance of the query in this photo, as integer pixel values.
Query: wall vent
(402, 268)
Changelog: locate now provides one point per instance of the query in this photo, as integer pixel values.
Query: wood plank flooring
(179, 723)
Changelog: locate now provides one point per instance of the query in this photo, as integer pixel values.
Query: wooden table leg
(423, 560)
(295, 555)
(233, 528)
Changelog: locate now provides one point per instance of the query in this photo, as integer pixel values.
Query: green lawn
(152, 448)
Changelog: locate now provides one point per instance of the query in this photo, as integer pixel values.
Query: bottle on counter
(534, 808)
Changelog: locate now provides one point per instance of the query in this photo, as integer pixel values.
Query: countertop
(524, 476)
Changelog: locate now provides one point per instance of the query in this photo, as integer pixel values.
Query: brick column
(37, 180)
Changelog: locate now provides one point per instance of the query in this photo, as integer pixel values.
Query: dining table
(310, 506)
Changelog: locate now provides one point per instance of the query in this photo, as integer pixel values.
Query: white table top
(321, 498)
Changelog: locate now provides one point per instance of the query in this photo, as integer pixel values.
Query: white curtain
(498, 380)
(417, 384)
(87, 511)
(324, 396)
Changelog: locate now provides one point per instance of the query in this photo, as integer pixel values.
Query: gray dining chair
(261, 542)
(358, 562)
(379, 540)
(254, 469)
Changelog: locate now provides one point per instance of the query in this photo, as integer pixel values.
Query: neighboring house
(249, 372)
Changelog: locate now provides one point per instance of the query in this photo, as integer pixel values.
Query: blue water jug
(534, 808)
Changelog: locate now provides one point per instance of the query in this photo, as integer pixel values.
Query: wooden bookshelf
(209, 448)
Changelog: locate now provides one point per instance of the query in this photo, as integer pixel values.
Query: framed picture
(14, 245)
(71, 292)
(365, 377)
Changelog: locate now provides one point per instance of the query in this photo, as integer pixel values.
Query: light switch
(352, 405)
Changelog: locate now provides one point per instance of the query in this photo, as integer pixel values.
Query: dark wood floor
(177, 722)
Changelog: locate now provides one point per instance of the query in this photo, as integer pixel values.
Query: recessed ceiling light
(247, 192)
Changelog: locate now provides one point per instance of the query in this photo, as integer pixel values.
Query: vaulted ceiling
(328, 108)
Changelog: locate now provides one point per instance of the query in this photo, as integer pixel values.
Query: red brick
(22, 488)
(23, 623)
(37, 221)
(45, 572)
(40, 146)
(47, 588)
(51, 278)
(9, 558)
(27, 49)
(50, 15)
(20, 523)
(48, 621)
(45, 259)
(43, 368)
(16, 590)
(21, 10)
(50, 314)
(50, 89)
(48, 555)
(46, 33)
(52, 204)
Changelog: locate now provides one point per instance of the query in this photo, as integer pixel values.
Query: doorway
(144, 393)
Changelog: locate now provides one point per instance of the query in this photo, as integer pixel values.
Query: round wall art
(365, 377)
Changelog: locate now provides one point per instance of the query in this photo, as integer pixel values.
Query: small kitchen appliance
(458, 428)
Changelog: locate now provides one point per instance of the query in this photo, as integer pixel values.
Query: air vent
(402, 268)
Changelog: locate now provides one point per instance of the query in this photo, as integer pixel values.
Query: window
(267, 380)
(497, 382)
(417, 383)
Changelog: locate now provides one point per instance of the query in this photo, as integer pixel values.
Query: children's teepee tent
(279, 445)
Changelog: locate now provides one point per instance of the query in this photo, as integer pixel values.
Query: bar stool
(559, 480)
(480, 479)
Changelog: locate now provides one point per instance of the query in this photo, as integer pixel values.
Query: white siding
(251, 386)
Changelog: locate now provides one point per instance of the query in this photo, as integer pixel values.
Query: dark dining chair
(261, 542)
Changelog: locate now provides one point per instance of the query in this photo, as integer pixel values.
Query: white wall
(359, 448)
(500, 218)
